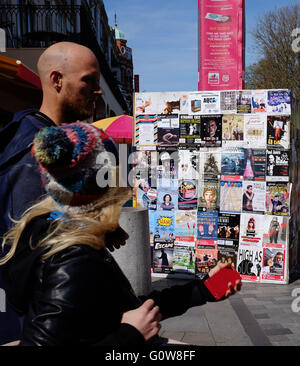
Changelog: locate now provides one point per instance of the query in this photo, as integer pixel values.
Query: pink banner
(221, 44)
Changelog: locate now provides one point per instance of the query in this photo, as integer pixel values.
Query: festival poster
(146, 136)
(185, 226)
(252, 228)
(144, 195)
(184, 259)
(228, 101)
(189, 127)
(233, 130)
(152, 227)
(164, 225)
(278, 132)
(249, 262)
(204, 103)
(275, 229)
(143, 166)
(254, 164)
(207, 226)
(228, 229)
(208, 196)
(253, 199)
(279, 102)
(274, 268)
(206, 257)
(227, 253)
(277, 198)
(188, 163)
(255, 130)
(187, 194)
(230, 196)
(211, 130)
(163, 256)
(232, 163)
(167, 169)
(210, 163)
(277, 165)
(167, 199)
(259, 101)
(168, 132)
(243, 101)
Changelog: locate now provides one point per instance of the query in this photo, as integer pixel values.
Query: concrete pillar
(134, 258)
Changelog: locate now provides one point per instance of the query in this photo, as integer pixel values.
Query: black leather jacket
(78, 296)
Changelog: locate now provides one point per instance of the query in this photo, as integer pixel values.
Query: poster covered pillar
(134, 258)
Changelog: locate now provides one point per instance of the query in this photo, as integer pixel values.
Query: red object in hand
(218, 283)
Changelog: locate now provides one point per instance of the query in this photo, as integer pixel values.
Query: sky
(163, 35)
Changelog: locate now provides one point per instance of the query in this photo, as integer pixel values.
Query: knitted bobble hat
(70, 158)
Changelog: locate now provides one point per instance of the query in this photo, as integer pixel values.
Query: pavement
(259, 315)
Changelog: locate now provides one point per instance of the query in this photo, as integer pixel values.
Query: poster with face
(277, 198)
(274, 264)
(168, 132)
(211, 130)
(210, 164)
(259, 101)
(163, 256)
(190, 132)
(187, 194)
(253, 199)
(208, 199)
(233, 130)
(251, 229)
(277, 165)
(249, 262)
(278, 131)
(207, 225)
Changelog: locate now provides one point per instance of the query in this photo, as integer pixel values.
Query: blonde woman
(59, 273)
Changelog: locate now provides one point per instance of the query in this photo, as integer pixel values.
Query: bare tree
(279, 66)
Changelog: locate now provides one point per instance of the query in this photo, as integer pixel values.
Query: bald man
(70, 77)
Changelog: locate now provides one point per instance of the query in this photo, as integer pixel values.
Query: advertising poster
(249, 262)
(278, 198)
(259, 101)
(168, 132)
(253, 199)
(230, 196)
(220, 44)
(144, 167)
(189, 127)
(255, 164)
(187, 194)
(227, 253)
(167, 199)
(188, 164)
(228, 229)
(144, 195)
(184, 258)
(185, 226)
(164, 225)
(251, 229)
(232, 163)
(278, 131)
(211, 130)
(277, 165)
(210, 164)
(206, 258)
(204, 103)
(274, 263)
(228, 101)
(208, 197)
(233, 130)
(167, 169)
(275, 230)
(255, 130)
(163, 256)
(207, 225)
(243, 101)
(146, 132)
(279, 102)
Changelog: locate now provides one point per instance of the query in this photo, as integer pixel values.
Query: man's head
(212, 127)
(70, 76)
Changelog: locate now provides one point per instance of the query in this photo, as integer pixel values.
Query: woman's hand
(232, 288)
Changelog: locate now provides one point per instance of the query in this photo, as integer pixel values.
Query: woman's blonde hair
(88, 229)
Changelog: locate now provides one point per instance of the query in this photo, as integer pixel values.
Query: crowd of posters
(213, 169)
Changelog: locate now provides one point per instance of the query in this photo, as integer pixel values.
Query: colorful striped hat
(70, 157)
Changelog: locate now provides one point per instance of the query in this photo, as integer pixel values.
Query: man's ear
(56, 80)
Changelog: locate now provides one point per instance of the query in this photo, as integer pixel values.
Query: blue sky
(163, 36)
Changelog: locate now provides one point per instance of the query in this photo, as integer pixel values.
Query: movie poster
(167, 169)
(163, 256)
(146, 132)
(249, 262)
(254, 164)
(259, 101)
(243, 101)
(211, 130)
(168, 132)
(210, 164)
(278, 198)
(187, 194)
(253, 199)
(188, 164)
(189, 131)
(228, 101)
(206, 258)
(278, 131)
(208, 196)
(277, 165)
(207, 226)
(230, 196)
(233, 130)
(255, 131)
(232, 163)
(279, 102)
(274, 264)
(167, 199)
(184, 259)
(204, 103)
(185, 226)
(252, 228)
(228, 229)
